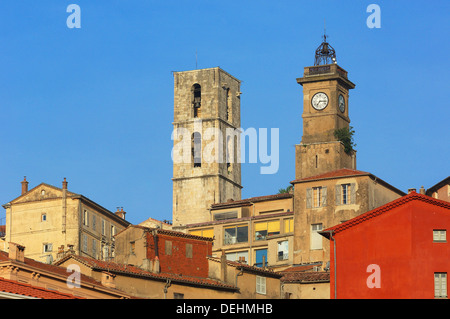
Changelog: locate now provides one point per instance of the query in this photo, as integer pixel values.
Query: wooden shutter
(338, 194)
(308, 197)
(324, 196)
(352, 193)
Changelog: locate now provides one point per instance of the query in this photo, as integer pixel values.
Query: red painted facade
(392, 246)
(180, 253)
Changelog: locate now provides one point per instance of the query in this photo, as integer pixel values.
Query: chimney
(223, 267)
(422, 190)
(16, 252)
(411, 190)
(24, 185)
(64, 184)
(120, 212)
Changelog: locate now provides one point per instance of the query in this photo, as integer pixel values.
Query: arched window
(196, 99)
(196, 146)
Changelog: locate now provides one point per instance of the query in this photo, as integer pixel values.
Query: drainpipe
(167, 285)
(156, 265)
(238, 274)
(335, 261)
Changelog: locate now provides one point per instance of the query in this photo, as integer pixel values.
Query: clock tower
(325, 109)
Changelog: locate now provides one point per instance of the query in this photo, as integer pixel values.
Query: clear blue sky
(95, 104)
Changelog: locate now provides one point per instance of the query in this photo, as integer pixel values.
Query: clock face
(319, 101)
(341, 103)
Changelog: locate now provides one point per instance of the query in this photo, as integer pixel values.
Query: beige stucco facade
(248, 229)
(48, 221)
(364, 193)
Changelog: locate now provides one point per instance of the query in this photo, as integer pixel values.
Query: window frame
(438, 234)
(229, 241)
(440, 284)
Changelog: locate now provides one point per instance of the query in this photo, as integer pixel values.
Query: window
(235, 234)
(266, 229)
(196, 145)
(113, 231)
(203, 232)
(260, 285)
(283, 250)
(239, 256)
(48, 247)
(94, 222)
(261, 257)
(105, 252)
(316, 238)
(289, 225)
(94, 248)
(228, 105)
(86, 218)
(345, 194)
(197, 99)
(85, 243)
(132, 247)
(43, 217)
(439, 235)
(103, 227)
(316, 197)
(178, 295)
(440, 285)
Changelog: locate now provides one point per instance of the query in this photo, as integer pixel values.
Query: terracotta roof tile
(333, 174)
(4, 256)
(266, 271)
(306, 276)
(18, 288)
(136, 271)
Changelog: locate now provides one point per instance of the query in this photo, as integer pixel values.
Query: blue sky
(95, 104)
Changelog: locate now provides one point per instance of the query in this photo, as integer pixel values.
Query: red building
(179, 253)
(397, 251)
(163, 251)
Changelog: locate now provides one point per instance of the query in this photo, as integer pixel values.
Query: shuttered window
(345, 194)
(316, 197)
(316, 238)
(440, 285)
(439, 235)
(289, 225)
(260, 285)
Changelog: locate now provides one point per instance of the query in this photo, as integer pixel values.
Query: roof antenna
(196, 59)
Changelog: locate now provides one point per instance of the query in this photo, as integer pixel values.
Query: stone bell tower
(325, 109)
(206, 153)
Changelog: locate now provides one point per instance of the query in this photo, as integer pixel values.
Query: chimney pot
(120, 212)
(16, 252)
(24, 185)
(64, 183)
(422, 190)
(411, 190)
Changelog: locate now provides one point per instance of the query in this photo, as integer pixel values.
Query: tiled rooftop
(18, 288)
